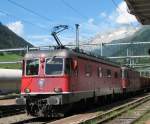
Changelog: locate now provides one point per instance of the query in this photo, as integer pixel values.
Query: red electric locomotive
(55, 79)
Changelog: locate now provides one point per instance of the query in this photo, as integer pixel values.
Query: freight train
(54, 80)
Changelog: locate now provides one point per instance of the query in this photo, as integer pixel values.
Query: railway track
(25, 119)
(98, 115)
(9, 96)
(111, 114)
(8, 110)
(105, 116)
(133, 115)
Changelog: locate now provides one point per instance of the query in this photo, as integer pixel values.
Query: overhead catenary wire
(25, 21)
(36, 13)
(33, 12)
(29, 10)
(74, 9)
(44, 17)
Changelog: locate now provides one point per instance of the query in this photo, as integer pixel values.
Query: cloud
(103, 14)
(38, 37)
(89, 28)
(40, 40)
(16, 27)
(114, 34)
(105, 27)
(108, 27)
(122, 15)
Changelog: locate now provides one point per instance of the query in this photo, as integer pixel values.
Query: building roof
(141, 10)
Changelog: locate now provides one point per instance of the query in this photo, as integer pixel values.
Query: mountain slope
(8, 39)
(142, 35)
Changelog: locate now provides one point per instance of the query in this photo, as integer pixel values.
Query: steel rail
(9, 96)
(104, 117)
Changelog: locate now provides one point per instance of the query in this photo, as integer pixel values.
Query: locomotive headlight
(27, 90)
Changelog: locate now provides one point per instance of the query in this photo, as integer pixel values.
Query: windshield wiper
(49, 61)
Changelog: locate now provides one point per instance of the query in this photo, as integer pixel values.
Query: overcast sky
(34, 19)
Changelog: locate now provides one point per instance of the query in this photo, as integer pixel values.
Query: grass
(10, 66)
(9, 58)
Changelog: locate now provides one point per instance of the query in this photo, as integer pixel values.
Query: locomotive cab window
(54, 66)
(32, 67)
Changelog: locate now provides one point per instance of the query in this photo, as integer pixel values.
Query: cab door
(71, 70)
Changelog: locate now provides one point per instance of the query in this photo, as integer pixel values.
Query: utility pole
(101, 48)
(127, 59)
(27, 49)
(77, 37)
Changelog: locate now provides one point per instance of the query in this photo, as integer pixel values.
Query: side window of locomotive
(116, 74)
(68, 66)
(32, 67)
(126, 74)
(108, 72)
(88, 70)
(54, 66)
(99, 72)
